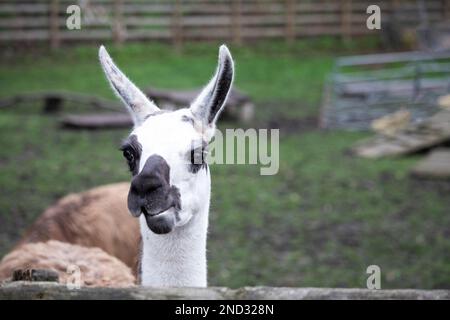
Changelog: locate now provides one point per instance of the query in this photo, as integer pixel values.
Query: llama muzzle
(152, 195)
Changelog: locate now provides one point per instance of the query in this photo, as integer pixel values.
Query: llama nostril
(153, 188)
(144, 211)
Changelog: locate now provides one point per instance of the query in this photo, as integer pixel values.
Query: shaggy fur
(98, 269)
(98, 217)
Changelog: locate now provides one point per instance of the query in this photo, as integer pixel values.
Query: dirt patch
(441, 187)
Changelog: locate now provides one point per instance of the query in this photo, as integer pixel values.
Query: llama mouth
(151, 214)
(160, 223)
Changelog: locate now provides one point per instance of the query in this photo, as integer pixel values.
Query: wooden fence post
(346, 20)
(236, 22)
(177, 28)
(118, 27)
(395, 4)
(55, 39)
(446, 9)
(290, 20)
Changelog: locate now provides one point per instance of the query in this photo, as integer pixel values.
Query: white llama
(170, 187)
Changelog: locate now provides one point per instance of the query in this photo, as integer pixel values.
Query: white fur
(177, 258)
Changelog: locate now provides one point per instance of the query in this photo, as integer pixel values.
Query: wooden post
(236, 22)
(395, 4)
(393, 8)
(346, 20)
(177, 28)
(118, 27)
(54, 25)
(446, 9)
(290, 20)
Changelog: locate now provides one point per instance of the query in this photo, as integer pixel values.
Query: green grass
(320, 221)
(325, 217)
(264, 75)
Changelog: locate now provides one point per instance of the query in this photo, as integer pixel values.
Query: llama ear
(210, 102)
(135, 100)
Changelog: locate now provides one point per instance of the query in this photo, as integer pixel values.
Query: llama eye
(131, 159)
(197, 156)
(128, 155)
(197, 159)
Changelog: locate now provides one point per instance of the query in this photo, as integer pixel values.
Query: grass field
(320, 221)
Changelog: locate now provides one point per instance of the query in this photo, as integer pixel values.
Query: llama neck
(176, 259)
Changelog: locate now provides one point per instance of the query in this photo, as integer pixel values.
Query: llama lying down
(91, 231)
(170, 186)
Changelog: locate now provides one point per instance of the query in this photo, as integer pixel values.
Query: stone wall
(48, 290)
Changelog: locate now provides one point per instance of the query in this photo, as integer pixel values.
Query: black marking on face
(197, 158)
(138, 262)
(188, 119)
(132, 150)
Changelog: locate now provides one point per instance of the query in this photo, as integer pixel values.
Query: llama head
(166, 149)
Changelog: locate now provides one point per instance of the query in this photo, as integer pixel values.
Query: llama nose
(154, 176)
(146, 184)
(144, 211)
(150, 189)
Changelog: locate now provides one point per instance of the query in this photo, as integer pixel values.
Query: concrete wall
(47, 290)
